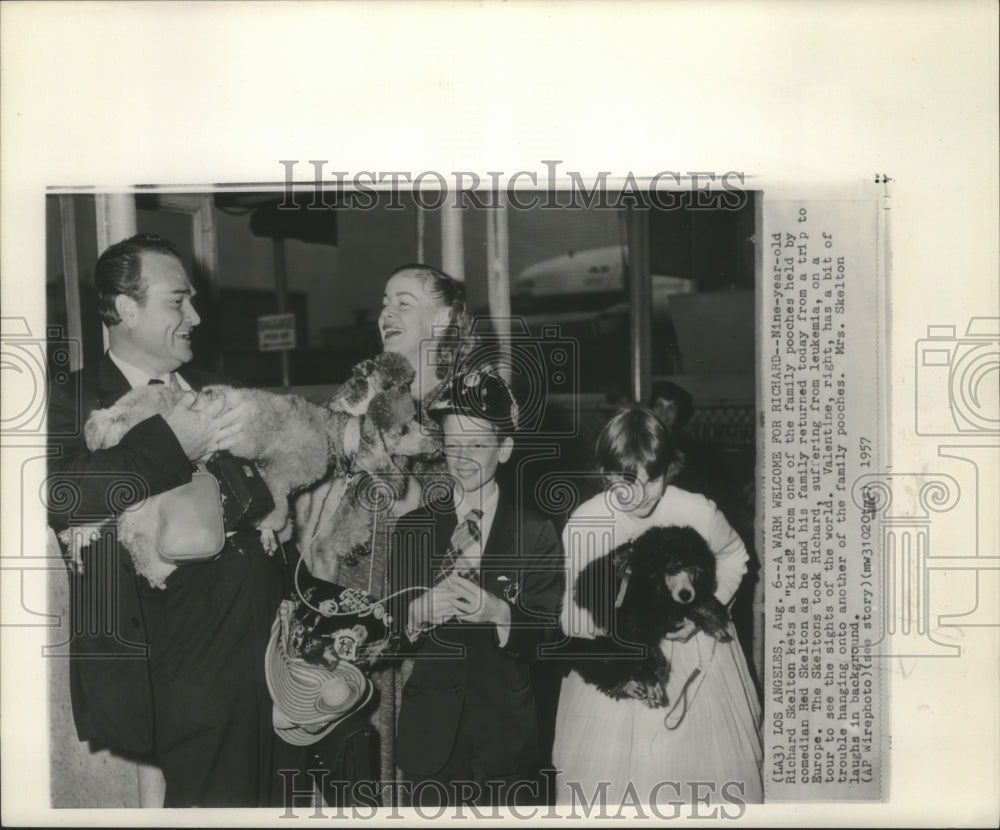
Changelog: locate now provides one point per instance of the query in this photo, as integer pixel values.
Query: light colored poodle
(294, 443)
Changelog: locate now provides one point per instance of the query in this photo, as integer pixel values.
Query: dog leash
(371, 548)
(336, 612)
(682, 699)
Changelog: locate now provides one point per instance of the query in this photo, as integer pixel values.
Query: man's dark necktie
(172, 383)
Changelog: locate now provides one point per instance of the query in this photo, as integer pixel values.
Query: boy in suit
(483, 577)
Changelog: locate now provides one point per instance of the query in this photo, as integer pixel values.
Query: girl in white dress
(706, 743)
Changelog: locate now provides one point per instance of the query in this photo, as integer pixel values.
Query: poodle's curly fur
(376, 474)
(670, 573)
(294, 443)
(386, 372)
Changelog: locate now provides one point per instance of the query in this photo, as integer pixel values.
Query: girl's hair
(636, 439)
(456, 339)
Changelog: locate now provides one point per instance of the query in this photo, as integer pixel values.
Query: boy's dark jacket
(461, 666)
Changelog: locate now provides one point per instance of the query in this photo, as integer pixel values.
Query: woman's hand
(682, 634)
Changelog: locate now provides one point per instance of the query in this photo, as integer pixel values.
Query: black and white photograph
(445, 420)
(353, 326)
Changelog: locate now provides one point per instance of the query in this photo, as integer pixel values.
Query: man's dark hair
(119, 271)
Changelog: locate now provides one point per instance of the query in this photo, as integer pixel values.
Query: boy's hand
(430, 608)
(473, 604)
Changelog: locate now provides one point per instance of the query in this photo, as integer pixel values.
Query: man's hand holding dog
(232, 427)
(204, 428)
(194, 425)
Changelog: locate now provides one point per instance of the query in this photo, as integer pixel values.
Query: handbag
(330, 624)
(191, 527)
(246, 498)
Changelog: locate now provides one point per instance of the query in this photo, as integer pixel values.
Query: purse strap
(336, 612)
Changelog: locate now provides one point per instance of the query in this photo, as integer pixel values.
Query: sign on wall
(276, 332)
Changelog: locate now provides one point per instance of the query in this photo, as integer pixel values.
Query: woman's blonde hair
(456, 339)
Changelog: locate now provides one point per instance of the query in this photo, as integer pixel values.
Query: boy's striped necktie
(464, 539)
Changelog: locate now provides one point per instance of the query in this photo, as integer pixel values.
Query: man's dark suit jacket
(111, 687)
(459, 668)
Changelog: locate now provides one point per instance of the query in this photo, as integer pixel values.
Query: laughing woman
(424, 319)
(706, 742)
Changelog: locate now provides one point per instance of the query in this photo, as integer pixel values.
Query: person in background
(717, 472)
(177, 681)
(704, 470)
(672, 404)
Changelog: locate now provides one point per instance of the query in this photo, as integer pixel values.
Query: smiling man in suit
(173, 677)
(491, 571)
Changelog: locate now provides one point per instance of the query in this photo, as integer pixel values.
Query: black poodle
(639, 592)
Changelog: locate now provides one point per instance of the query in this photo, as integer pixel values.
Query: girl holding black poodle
(698, 736)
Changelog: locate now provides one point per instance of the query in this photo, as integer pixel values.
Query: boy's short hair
(480, 394)
(635, 439)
